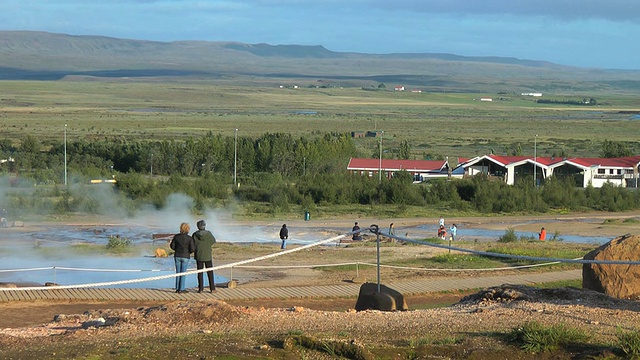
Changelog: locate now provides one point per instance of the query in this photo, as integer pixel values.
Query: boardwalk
(327, 291)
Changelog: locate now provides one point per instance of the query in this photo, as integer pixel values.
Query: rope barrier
(516, 257)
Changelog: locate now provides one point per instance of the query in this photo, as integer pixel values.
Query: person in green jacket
(204, 240)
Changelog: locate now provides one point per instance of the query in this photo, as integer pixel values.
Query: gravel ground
(492, 310)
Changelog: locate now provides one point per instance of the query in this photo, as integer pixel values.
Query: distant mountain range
(29, 55)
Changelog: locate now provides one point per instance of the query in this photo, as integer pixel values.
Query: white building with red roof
(595, 171)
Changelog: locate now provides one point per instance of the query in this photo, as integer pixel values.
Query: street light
(380, 165)
(235, 157)
(151, 165)
(535, 160)
(65, 154)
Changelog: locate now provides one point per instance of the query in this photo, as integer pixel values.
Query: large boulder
(619, 281)
(386, 299)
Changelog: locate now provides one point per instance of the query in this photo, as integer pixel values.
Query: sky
(585, 33)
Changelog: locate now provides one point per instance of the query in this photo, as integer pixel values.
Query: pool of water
(478, 233)
(49, 248)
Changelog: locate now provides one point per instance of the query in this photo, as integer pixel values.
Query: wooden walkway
(326, 291)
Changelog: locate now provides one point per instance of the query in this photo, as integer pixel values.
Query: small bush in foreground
(535, 337)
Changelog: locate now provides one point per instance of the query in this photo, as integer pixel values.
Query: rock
(232, 284)
(48, 283)
(160, 253)
(359, 280)
(94, 323)
(619, 281)
(385, 300)
(17, 224)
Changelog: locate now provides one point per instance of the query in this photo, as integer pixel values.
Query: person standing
(3, 218)
(441, 221)
(392, 229)
(183, 245)
(453, 230)
(204, 240)
(284, 235)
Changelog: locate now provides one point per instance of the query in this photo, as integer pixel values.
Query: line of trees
(277, 170)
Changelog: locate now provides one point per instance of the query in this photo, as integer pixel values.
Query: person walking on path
(183, 245)
(453, 230)
(204, 240)
(284, 235)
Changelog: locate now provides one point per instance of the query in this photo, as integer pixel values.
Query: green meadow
(436, 125)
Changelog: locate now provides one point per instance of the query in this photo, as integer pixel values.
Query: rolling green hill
(46, 56)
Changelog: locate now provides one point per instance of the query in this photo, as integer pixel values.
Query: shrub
(117, 243)
(509, 236)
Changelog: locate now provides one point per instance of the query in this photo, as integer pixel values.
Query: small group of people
(442, 231)
(200, 244)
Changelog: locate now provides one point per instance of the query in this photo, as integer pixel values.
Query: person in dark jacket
(284, 235)
(204, 240)
(183, 245)
(356, 232)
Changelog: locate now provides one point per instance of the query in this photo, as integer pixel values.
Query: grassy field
(435, 124)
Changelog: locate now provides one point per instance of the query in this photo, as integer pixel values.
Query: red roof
(397, 165)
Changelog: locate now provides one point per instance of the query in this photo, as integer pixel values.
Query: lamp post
(380, 164)
(535, 160)
(235, 157)
(65, 154)
(151, 165)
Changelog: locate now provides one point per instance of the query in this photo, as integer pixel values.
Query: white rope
(107, 270)
(29, 269)
(293, 266)
(458, 270)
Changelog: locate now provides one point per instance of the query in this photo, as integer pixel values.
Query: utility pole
(380, 164)
(65, 154)
(235, 157)
(535, 160)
